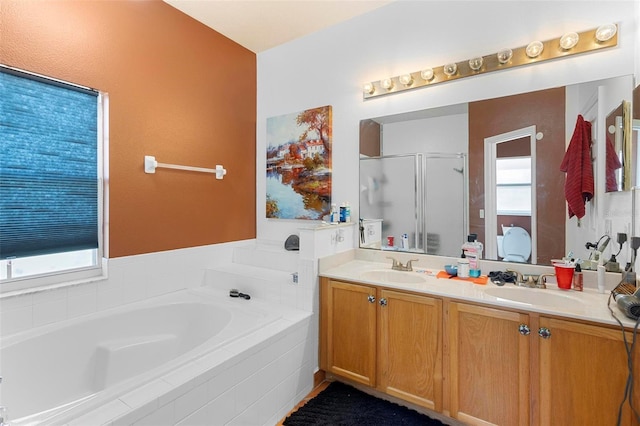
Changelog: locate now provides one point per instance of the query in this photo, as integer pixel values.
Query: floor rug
(343, 405)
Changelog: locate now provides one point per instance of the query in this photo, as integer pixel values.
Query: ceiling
(259, 25)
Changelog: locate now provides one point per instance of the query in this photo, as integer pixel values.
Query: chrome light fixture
(569, 44)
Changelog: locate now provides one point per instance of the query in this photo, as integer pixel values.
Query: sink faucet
(530, 281)
(398, 266)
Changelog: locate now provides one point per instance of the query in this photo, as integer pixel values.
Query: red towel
(578, 186)
(613, 163)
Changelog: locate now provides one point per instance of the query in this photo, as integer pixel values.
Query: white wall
(330, 66)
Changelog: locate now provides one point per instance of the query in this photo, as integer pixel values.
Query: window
(513, 186)
(50, 181)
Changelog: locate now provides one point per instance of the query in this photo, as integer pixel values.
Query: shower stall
(423, 195)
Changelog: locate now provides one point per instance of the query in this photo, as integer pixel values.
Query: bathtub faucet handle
(235, 293)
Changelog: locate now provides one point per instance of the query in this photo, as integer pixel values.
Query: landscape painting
(299, 165)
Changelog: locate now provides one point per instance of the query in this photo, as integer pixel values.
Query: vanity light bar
(534, 52)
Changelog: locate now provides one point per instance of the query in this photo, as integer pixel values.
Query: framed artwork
(299, 165)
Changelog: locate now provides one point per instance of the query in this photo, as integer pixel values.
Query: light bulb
(406, 79)
(427, 74)
(387, 84)
(606, 32)
(504, 55)
(569, 40)
(450, 69)
(368, 88)
(476, 63)
(534, 49)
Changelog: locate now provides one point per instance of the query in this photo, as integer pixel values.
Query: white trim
(490, 225)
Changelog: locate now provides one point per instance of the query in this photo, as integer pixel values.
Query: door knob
(544, 332)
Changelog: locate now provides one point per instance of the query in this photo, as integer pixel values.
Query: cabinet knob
(371, 298)
(524, 329)
(383, 302)
(544, 332)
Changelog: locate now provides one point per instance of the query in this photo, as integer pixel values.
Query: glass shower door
(391, 188)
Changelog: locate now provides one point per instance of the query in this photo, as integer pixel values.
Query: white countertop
(587, 305)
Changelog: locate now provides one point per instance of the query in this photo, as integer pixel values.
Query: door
(583, 374)
(489, 365)
(410, 348)
(351, 331)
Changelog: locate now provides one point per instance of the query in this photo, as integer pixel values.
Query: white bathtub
(56, 373)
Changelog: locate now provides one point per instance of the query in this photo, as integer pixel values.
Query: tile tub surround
(219, 382)
(130, 279)
(352, 265)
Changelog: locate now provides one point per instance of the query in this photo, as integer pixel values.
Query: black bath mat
(343, 405)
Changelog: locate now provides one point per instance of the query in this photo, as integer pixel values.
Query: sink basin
(392, 276)
(536, 297)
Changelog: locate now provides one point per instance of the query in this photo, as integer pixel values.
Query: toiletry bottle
(335, 215)
(463, 267)
(405, 241)
(347, 212)
(343, 213)
(577, 278)
(472, 250)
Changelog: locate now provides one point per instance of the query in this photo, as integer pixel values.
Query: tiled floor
(322, 386)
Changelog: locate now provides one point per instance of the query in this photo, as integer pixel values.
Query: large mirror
(635, 134)
(618, 164)
(490, 168)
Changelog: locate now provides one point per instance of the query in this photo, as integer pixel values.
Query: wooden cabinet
(583, 374)
(489, 365)
(410, 348)
(482, 365)
(385, 339)
(504, 372)
(351, 331)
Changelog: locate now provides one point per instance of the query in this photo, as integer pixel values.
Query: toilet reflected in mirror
(514, 245)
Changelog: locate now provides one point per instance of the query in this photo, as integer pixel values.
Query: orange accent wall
(177, 89)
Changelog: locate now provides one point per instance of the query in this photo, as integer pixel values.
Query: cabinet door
(489, 361)
(410, 348)
(351, 331)
(583, 374)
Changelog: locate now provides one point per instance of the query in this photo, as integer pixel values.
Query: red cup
(390, 241)
(564, 276)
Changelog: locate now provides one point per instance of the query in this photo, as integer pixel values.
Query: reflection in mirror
(421, 197)
(523, 181)
(614, 150)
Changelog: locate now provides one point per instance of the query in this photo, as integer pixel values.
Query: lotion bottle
(601, 271)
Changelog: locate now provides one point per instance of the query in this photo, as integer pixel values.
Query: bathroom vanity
(482, 354)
